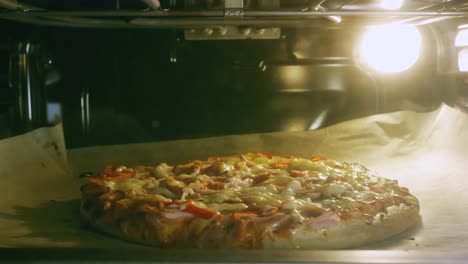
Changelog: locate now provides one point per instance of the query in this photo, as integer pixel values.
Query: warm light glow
(336, 19)
(296, 125)
(391, 4)
(391, 48)
(463, 60)
(462, 38)
(293, 75)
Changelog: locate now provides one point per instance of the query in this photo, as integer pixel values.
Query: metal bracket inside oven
(232, 32)
(234, 8)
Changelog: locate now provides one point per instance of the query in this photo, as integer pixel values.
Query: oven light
(462, 38)
(391, 48)
(463, 60)
(391, 4)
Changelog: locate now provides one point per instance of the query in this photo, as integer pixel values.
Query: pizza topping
(114, 173)
(311, 210)
(138, 185)
(112, 196)
(291, 189)
(292, 204)
(164, 192)
(272, 221)
(161, 171)
(199, 211)
(174, 185)
(317, 158)
(227, 207)
(284, 183)
(176, 214)
(325, 220)
(226, 196)
(261, 178)
(258, 201)
(96, 181)
(334, 189)
(218, 168)
(243, 215)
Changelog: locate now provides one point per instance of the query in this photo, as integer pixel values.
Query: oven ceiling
(190, 13)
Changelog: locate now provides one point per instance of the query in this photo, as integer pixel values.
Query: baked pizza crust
(137, 228)
(351, 233)
(145, 229)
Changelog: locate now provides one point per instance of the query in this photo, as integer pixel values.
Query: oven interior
(116, 72)
(119, 72)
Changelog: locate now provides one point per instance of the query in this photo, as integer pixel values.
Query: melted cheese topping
(260, 183)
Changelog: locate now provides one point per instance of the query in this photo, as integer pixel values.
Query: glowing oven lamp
(391, 48)
(391, 4)
(461, 41)
(462, 38)
(463, 60)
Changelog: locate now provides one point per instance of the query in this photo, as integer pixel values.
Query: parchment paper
(427, 152)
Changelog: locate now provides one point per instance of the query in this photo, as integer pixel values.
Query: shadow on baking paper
(56, 223)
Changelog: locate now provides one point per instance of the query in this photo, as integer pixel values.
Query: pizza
(251, 200)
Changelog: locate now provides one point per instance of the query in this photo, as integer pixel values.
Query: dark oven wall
(126, 86)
